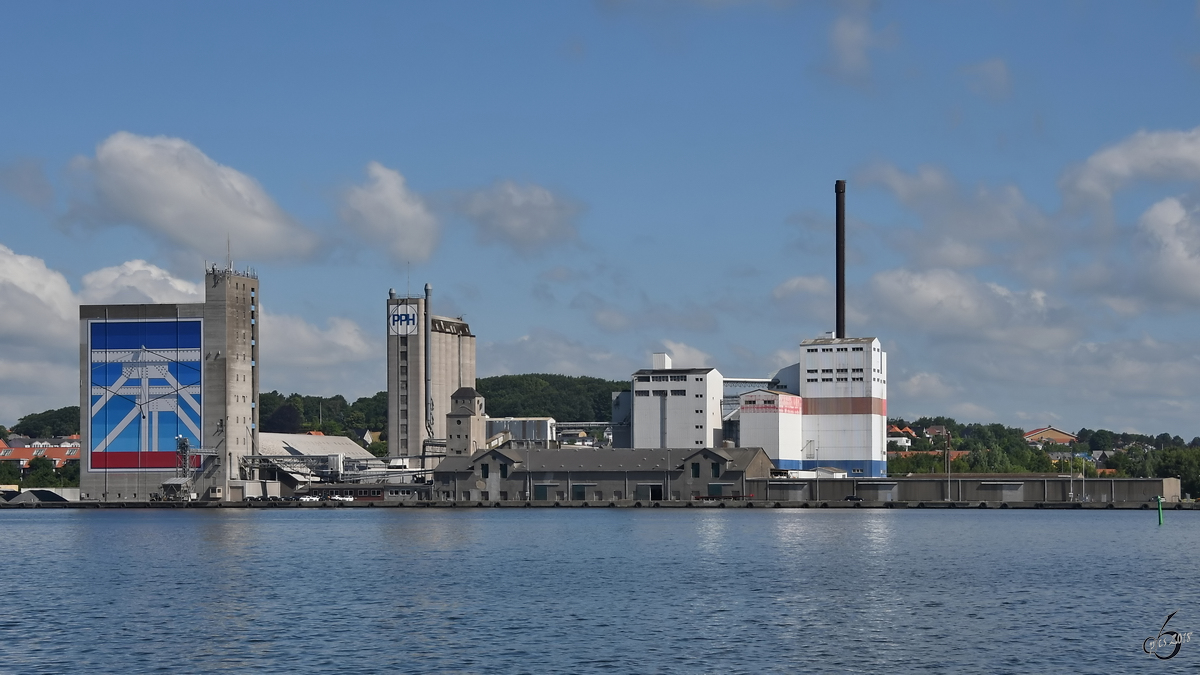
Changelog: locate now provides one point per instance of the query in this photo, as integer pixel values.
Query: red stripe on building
(846, 405)
(135, 460)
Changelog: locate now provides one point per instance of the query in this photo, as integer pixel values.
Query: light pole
(946, 438)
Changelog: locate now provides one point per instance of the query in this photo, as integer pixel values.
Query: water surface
(594, 590)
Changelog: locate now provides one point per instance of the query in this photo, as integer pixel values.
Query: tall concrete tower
(151, 374)
(429, 358)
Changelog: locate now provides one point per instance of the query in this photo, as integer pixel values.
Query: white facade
(773, 421)
(676, 407)
(843, 382)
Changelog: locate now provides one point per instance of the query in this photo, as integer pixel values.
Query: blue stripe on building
(169, 334)
(853, 467)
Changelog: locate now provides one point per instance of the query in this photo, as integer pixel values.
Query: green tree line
(565, 398)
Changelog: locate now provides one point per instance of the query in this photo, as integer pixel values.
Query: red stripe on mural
(135, 460)
(846, 405)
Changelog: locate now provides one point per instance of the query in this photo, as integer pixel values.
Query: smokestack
(839, 188)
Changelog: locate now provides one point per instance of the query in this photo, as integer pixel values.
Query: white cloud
(805, 285)
(990, 79)
(36, 303)
(528, 218)
(852, 38)
(39, 334)
(965, 227)
(546, 351)
(947, 304)
(684, 356)
(387, 212)
(170, 188)
(339, 358)
(925, 385)
(137, 282)
(1147, 155)
(967, 411)
(1173, 263)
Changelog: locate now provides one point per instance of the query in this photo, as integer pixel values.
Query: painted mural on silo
(145, 383)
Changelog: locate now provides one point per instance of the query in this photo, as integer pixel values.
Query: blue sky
(590, 182)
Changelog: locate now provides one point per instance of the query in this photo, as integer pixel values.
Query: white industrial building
(773, 421)
(843, 382)
(676, 407)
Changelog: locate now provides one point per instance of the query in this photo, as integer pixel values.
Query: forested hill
(565, 398)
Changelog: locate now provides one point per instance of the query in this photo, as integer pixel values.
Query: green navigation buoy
(1160, 501)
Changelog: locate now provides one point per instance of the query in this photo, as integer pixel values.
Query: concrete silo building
(151, 374)
(429, 358)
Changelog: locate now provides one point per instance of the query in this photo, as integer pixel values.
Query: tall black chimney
(839, 188)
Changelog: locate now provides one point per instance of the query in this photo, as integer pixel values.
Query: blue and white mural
(145, 391)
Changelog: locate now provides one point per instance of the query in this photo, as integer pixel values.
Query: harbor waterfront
(594, 590)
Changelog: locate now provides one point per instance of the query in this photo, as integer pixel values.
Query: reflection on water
(623, 590)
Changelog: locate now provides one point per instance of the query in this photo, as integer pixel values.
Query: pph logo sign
(402, 320)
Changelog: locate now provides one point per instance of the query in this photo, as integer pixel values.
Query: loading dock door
(578, 493)
(650, 492)
(539, 492)
(715, 490)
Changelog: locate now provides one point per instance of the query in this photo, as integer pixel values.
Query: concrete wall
(229, 393)
(453, 366)
(997, 488)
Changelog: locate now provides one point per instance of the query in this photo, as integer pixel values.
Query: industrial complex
(169, 412)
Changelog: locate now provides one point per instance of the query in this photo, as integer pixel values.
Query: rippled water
(599, 590)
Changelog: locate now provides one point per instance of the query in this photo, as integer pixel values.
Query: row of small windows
(840, 349)
(665, 378)
(840, 379)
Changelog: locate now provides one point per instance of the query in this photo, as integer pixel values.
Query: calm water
(599, 590)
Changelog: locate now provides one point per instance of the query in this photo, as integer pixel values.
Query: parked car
(342, 498)
(852, 498)
(309, 498)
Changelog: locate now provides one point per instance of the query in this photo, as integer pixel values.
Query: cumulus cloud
(387, 212)
(952, 304)
(137, 282)
(990, 79)
(171, 189)
(685, 356)
(527, 218)
(339, 357)
(39, 359)
(801, 285)
(36, 301)
(851, 40)
(1147, 155)
(974, 412)
(26, 180)
(547, 351)
(965, 227)
(1173, 261)
(925, 385)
